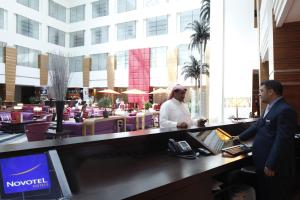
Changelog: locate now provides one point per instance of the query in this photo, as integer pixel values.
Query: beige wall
(111, 72)
(86, 71)
(10, 59)
(43, 65)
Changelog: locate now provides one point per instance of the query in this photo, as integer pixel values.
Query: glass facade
(34, 4)
(100, 8)
(57, 11)
(99, 35)
(157, 26)
(126, 30)
(2, 45)
(77, 13)
(1, 18)
(56, 36)
(122, 60)
(99, 62)
(27, 27)
(76, 63)
(158, 57)
(126, 5)
(187, 18)
(77, 39)
(27, 57)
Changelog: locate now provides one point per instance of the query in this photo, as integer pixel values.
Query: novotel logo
(26, 182)
(25, 173)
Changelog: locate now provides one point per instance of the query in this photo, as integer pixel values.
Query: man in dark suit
(273, 146)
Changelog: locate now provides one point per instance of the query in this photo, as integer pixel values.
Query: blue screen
(25, 173)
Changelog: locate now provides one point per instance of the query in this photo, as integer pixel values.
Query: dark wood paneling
(287, 61)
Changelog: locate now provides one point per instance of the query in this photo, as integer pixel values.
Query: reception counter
(135, 165)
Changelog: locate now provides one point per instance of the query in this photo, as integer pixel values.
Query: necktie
(267, 110)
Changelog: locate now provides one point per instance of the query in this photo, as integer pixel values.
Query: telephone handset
(180, 147)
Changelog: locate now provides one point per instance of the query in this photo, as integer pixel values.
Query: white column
(216, 79)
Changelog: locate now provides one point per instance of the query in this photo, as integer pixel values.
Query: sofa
(6, 116)
(100, 127)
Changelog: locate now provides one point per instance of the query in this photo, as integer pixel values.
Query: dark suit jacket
(273, 144)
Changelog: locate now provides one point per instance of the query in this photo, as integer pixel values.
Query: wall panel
(287, 61)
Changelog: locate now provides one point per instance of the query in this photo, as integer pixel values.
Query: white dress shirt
(171, 112)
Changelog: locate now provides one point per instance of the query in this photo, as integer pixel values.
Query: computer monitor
(214, 140)
(34, 176)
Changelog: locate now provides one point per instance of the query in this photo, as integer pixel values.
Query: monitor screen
(35, 176)
(214, 140)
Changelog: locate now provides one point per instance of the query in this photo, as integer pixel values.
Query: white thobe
(173, 112)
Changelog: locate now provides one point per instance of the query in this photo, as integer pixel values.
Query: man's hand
(269, 172)
(236, 140)
(201, 122)
(182, 125)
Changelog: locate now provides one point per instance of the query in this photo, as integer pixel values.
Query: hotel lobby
(116, 62)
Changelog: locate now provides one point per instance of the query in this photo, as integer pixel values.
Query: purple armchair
(36, 131)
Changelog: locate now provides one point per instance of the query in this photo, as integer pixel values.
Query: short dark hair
(274, 85)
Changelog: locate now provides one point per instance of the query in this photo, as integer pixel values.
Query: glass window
(77, 13)
(1, 18)
(100, 8)
(184, 54)
(188, 17)
(34, 4)
(27, 57)
(122, 60)
(57, 11)
(126, 5)
(2, 45)
(27, 27)
(99, 61)
(157, 26)
(99, 35)
(56, 36)
(158, 57)
(76, 63)
(126, 30)
(77, 39)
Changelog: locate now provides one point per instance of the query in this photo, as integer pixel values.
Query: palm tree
(205, 10)
(200, 36)
(194, 69)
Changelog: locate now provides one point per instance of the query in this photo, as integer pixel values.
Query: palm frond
(200, 36)
(205, 10)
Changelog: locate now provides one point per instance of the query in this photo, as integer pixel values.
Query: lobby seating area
(34, 119)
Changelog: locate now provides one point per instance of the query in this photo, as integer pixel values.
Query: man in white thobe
(174, 113)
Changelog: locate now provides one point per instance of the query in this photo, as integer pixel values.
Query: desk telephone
(181, 149)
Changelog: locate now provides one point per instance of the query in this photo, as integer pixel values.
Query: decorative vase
(59, 113)
(195, 103)
(105, 113)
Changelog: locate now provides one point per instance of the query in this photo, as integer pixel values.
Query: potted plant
(32, 100)
(105, 102)
(147, 105)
